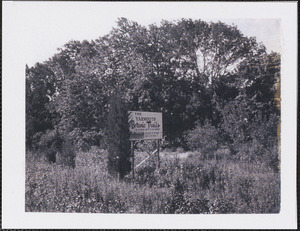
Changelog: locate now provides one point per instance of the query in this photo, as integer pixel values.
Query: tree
(187, 69)
(264, 77)
(40, 86)
(82, 108)
(117, 137)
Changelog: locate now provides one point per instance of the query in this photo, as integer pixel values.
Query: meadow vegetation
(190, 184)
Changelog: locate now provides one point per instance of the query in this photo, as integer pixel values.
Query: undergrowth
(181, 185)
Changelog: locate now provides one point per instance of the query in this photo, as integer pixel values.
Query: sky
(42, 27)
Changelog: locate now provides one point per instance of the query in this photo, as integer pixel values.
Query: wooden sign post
(132, 157)
(158, 160)
(145, 126)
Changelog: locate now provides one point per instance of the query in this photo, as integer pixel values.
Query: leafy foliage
(40, 86)
(57, 147)
(214, 86)
(205, 139)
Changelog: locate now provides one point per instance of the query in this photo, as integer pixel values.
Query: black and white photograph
(152, 114)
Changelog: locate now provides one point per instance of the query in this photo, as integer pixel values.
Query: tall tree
(117, 137)
(187, 69)
(40, 87)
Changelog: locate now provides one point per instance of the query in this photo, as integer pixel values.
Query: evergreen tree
(117, 138)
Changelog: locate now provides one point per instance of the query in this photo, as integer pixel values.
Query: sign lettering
(145, 125)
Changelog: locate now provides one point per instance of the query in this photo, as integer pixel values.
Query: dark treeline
(211, 83)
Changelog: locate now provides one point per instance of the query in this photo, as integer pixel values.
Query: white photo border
(13, 125)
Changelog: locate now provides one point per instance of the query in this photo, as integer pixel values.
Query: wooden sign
(145, 125)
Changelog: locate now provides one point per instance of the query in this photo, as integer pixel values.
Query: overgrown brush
(57, 147)
(181, 186)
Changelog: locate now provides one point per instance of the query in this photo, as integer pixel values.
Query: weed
(185, 186)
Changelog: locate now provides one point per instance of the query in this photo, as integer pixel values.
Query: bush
(265, 134)
(83, 140)
(35, 142)
(204, 138)
(57, 148)
(181, 202)
(249, 133)
(67, 154)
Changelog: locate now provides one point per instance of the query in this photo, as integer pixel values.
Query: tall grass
(182, 185)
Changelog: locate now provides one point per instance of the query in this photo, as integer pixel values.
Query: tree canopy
(189, 70)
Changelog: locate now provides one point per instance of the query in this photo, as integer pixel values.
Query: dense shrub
(83, 140)
(249, 132)
(265, 133)
(57, 148)
(67, 154)
(204, 138)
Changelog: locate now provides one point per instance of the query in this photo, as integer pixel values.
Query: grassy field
(184, 184)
